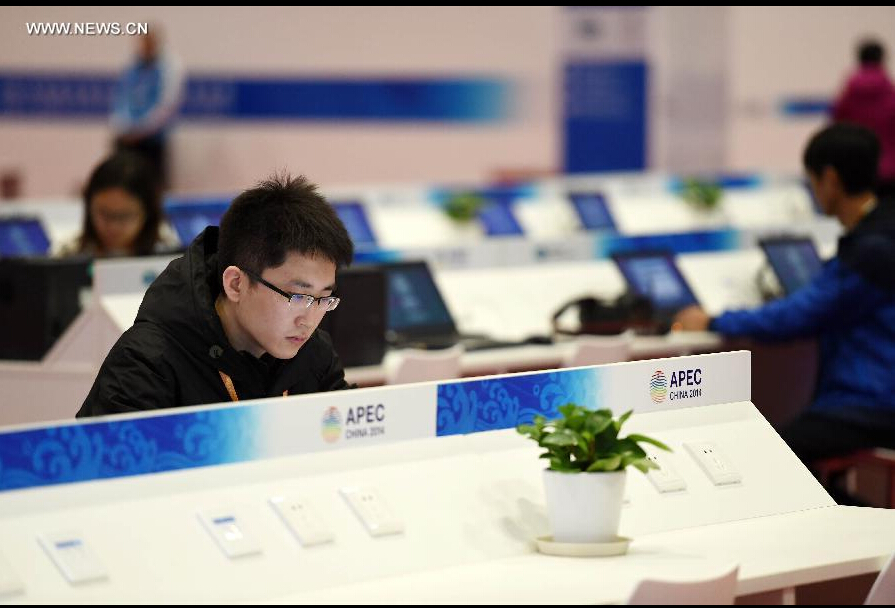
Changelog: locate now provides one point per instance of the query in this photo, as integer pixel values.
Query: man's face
(269, 321)
(825, 188)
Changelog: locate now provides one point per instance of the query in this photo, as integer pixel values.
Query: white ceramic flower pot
(584, 507)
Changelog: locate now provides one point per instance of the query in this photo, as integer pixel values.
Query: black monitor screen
(41, 296)
(414, 301)
(356, 223)
(794, 260)
(22, 237)
(592, 211)
(656, 276)
(190, 219)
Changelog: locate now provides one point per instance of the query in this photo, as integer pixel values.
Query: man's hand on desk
(692, 318)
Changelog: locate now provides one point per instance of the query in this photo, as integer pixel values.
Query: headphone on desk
(603, 318)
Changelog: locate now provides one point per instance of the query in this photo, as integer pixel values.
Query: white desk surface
(773, 553)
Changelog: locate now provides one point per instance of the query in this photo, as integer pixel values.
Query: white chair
(597, 350)
(413, 365)
(883, 590)
(716, 590)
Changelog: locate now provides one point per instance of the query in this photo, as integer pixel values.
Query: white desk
(775, 554)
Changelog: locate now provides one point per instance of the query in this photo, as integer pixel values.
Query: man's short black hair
(870, 52)
(279, 216)
(852, 150)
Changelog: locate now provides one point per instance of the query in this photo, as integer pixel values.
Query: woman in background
(122, 211)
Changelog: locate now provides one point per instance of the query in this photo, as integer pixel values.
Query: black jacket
(176, 349)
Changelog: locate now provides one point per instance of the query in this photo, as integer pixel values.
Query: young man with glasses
(236, 317)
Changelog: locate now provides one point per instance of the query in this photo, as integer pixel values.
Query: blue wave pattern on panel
(683, 242)
(85, 95)
(111, 449)
(501, 403)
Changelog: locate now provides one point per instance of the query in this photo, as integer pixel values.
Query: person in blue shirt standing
(849, 307)
(146, 102)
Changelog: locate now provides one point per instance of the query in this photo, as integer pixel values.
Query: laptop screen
(497, 219)
(592, 211)
(794, 260)
(22, 237)
(189, 219)
(415, 306)
(656, 276)
(357, 224)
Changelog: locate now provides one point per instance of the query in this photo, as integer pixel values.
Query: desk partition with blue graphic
(264, 500)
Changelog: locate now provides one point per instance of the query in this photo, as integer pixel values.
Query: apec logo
(362, 421)
(658, 387)
(683, 384)
(331, 425)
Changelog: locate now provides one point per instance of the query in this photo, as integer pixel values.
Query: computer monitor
(22, 237)
(793, 259)
(354, 216)
(495, 211)
(655, 275)
(190, 218)
(39, 298)
(417, 314)
(497, 218)
(592, 211)
(357, 327)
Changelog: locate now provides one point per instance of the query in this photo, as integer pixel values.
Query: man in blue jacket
(849, 307)
(146, 102)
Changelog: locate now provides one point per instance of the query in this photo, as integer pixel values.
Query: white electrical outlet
(73, 556)
(10, 584)
(717, 466)
(376, 515)
(665, 478)
(227, 527)
(302, 520)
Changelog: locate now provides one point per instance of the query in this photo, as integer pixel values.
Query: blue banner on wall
(84, 95)
(604, 116)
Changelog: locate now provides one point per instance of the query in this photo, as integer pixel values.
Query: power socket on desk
(73, 556)
(303, 520)
(665, 478)
(227, 527)
(717, 466)
(372, 510)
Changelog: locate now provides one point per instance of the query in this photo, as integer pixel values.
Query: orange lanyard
(231, 390)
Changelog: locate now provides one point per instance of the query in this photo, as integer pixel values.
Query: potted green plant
(585, 482)
(463, 207)
(702, 195)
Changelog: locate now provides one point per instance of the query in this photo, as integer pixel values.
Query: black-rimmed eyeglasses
(301, 300)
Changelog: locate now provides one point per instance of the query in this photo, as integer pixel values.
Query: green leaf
(562, 438)
(655, 442)
(605, 464)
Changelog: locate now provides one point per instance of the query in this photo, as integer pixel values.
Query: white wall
(749, 58)
(513, 43)
(790, 51)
